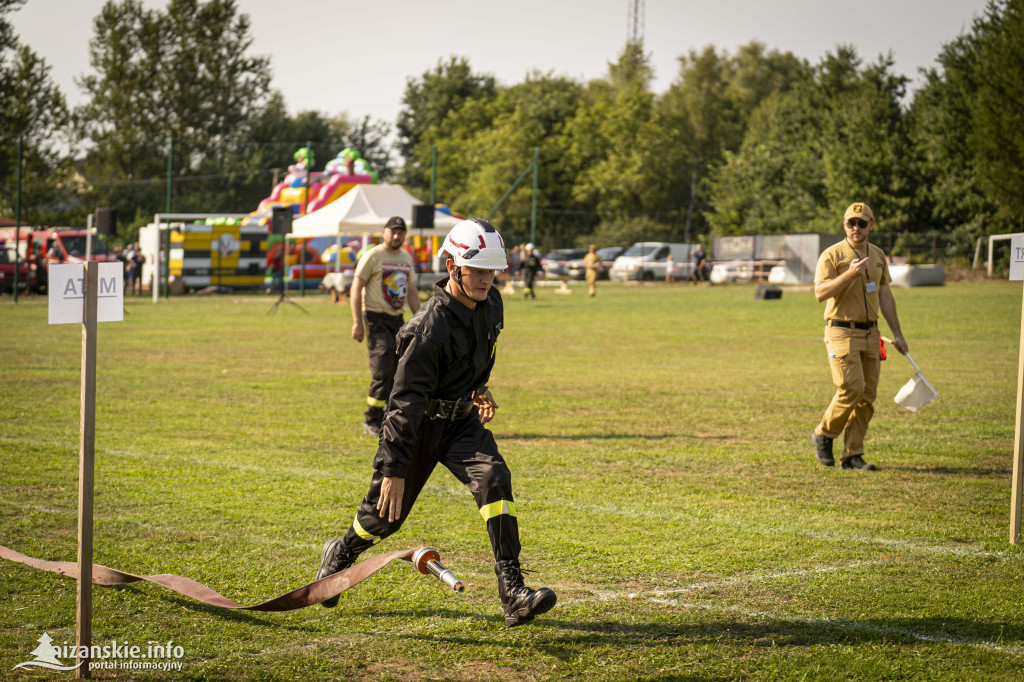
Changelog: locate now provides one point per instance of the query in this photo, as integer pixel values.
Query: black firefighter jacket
(446, 352)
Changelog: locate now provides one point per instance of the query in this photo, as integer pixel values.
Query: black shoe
(857, 462)
(520, 603)
(371, 429)
(333, 559)
(823, 449)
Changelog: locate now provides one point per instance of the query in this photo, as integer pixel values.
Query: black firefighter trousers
(466, 449)
(381, 330)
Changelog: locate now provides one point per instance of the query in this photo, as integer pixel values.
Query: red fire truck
(38, 249)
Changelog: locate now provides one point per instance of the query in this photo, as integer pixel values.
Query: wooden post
(86, 455)
(1017, 489)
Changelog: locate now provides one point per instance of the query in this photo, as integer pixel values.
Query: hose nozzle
(427, 560)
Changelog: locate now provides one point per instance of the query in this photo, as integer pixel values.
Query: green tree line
(755, 141)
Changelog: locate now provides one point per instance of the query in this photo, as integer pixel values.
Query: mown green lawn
(659, 438)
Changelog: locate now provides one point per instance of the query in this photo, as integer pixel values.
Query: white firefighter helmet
(474, 242)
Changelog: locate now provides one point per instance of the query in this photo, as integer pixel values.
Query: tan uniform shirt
(389, 277)
(858, 302)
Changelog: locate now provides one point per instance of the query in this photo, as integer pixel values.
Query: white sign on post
(1016, 259)
(66, 284)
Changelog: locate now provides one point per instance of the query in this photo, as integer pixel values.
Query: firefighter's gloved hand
(486, 406)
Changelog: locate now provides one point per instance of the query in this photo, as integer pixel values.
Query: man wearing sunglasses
(852, 278)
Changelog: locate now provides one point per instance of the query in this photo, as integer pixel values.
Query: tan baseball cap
(859, 210)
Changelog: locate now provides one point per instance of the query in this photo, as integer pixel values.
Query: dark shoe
(823, 449)
(333, 559)
(371, 429)
(520, 603)
(857, 462)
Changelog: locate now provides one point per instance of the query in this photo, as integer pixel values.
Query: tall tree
(181, 74)
(426, 103)
(998, 136)
(34, 109)
(633, 68)
(709, 107)
(807, 153)
(486, 145)
(31, 108)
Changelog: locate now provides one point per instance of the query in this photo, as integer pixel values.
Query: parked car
(26, 275)
(742, 271)
(648, 261)
(555, 263)
(608, 254)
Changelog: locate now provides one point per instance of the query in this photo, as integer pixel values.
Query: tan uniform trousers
(853, 356)
(591, 281)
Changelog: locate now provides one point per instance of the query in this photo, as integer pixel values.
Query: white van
(648, 261)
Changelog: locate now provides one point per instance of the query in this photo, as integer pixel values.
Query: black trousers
(381, 330)
(466, 449)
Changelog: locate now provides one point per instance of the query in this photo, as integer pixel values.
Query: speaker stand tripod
(284, 298)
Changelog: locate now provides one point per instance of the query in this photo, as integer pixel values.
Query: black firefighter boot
(335, 558)
(521, 603)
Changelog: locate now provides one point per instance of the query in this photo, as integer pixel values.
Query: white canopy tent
(366, 208)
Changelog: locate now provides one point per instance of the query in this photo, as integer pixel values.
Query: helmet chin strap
(458, 280)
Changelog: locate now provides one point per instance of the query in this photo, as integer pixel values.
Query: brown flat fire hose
(307, 595)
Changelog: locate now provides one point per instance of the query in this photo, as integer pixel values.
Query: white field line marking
(609, 595)
(659, 597)
(789, 530)
(745, 524)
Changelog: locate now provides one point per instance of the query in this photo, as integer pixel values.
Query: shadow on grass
(564, 639)
(607, 436)
(981, 472)
(236, 615)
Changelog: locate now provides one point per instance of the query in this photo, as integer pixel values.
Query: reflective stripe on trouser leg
(361, 532)
(489, 511)
(502, 529)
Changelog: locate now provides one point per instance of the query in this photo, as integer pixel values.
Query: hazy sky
(355, 57)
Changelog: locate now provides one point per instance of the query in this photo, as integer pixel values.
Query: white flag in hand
(917, 392)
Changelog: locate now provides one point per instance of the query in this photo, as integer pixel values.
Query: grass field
(659, 439)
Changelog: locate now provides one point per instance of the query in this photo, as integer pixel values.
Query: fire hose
(425, 559)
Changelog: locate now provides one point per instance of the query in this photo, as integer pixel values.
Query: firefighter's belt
(449, 410)
(307, 595)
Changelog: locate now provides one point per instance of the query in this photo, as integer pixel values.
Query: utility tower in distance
(635, 22)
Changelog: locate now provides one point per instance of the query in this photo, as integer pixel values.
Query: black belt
(855, 325)
(449, 410)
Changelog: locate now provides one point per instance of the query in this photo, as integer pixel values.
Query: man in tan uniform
(592, 262)
(852, 277)
(385, 280)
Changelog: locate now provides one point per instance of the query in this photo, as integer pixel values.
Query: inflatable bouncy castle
(307, 191)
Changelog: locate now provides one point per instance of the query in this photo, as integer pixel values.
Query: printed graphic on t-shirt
(394, 284)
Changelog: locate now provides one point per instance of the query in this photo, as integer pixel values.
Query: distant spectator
(130, 272)
(140, 260)
(699, 257)
(531, 266)
(592, 262)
